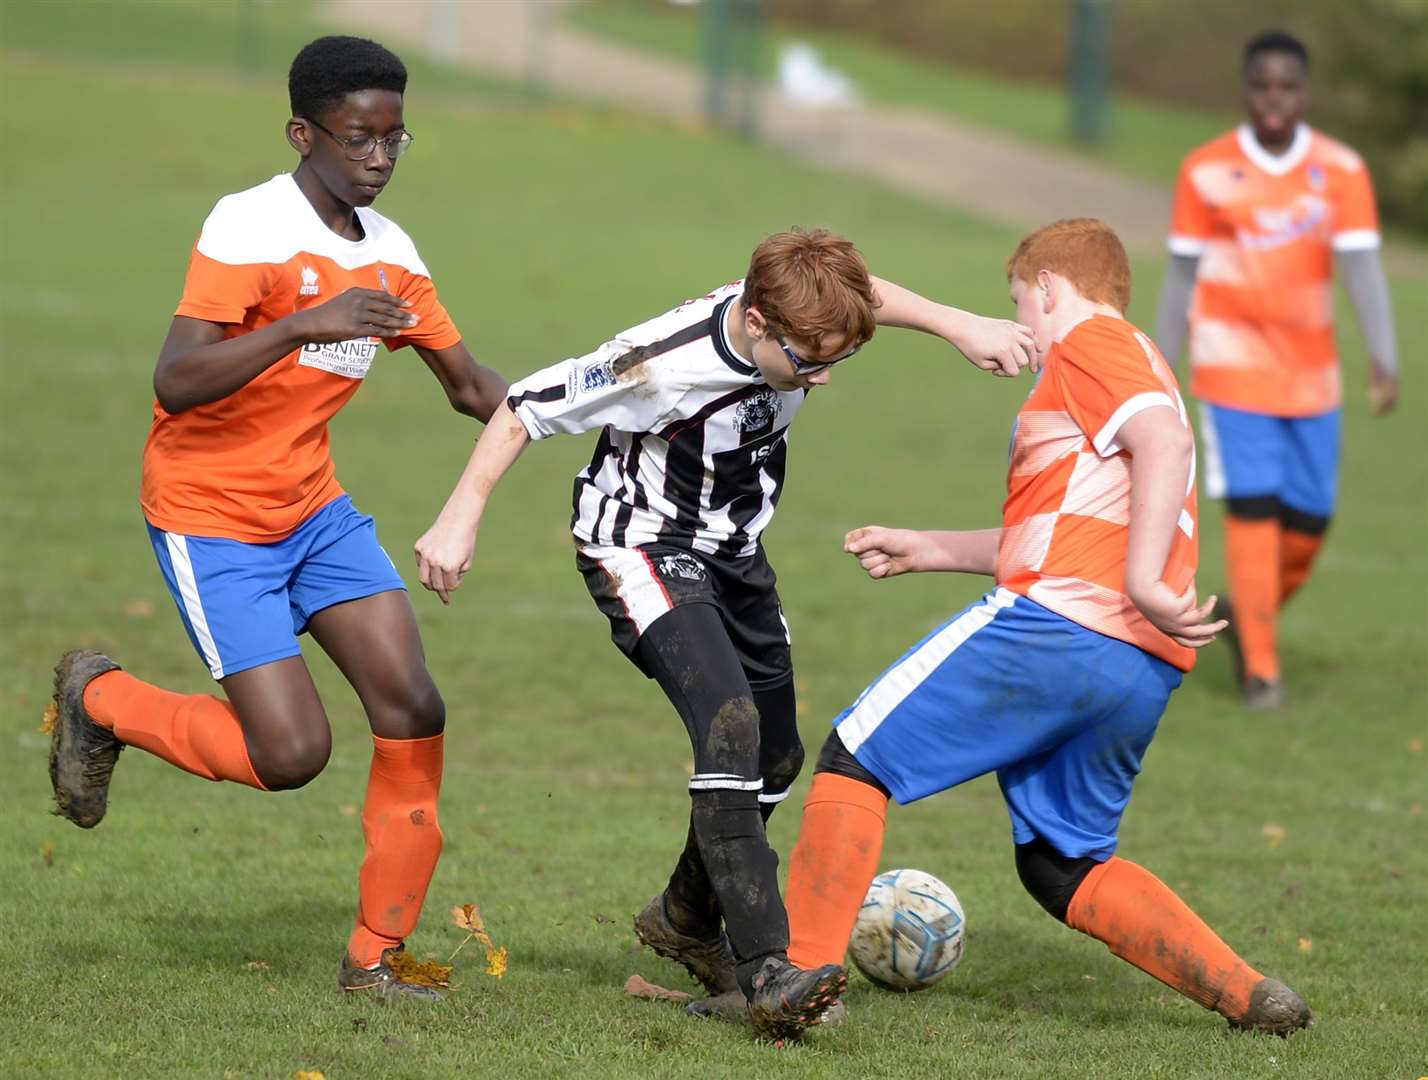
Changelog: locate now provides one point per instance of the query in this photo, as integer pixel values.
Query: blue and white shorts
(245, 604)
(1060, 713)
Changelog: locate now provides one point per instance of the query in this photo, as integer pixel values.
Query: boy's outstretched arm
(1000, 346)
(471, 388)
(1162, 455)
(445, 550)
(885, 552)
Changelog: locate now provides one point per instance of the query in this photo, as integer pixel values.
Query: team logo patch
(758, 411)
(350, 359)
(309, 282)
(588, 379)
(682, 565)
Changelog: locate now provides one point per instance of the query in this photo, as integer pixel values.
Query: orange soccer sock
(1297, 552)
(198, 733)
(834, 861)
(1144, 923)
(403, 843)
(1252, 557)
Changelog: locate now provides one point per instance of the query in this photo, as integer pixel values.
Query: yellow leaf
(468, 917)
(496, 962)
(47, 852)
(1305, 945)
(49, 719)
(421, 972)
(1275, 834)
(308, 1074)
(139, 608)
(1415, 746)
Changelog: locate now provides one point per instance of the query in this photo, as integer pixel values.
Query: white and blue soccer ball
(910, 931)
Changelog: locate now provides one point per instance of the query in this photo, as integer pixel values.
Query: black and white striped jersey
(694, 442)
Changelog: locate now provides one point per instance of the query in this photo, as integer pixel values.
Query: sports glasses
(802, 366)
(361, 147)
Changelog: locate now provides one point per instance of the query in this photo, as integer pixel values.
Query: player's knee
(732, 743)
(292, 759)
(1050, 877)
(413, 711)
(835, 758)
(781, 769)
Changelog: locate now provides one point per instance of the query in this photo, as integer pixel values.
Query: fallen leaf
(392, 1042)
(468, 917)
(139, 608)
(481, 808)
(602, 918)
(47, 853)
(496, 962)
(1415, 809)
(1275, 834)
(256, 965)
(359, 1023)
(427, 972)
(308, 1074)
(49, 719)
(638, 986)
(270, 988)
(1415, 746)
(347, 810)
(1305, 945)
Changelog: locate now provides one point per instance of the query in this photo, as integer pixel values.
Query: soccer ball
(910, 931)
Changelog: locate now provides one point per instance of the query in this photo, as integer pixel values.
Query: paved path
(928, 154)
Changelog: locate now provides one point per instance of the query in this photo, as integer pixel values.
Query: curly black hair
(328, 69)
(1276, 41)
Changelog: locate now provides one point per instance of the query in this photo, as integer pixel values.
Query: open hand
(1179, 617)
(357, 313)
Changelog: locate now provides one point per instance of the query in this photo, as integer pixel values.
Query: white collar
(1275, 164)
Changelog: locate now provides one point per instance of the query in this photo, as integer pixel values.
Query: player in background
(1056, 679)
(1262, 214)
(291, 287)
(695, 405)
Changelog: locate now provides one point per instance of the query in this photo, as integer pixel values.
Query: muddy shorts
(1060, 713)
(633, 587)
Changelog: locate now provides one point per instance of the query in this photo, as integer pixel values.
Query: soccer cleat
(82, 754)
(1263, 694)
(711, 960)
(789, 1000)
(382, 980)
(733, 1008)
(1274, 1009)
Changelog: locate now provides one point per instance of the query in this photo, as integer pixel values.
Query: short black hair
(1276, 41)
(328, 69)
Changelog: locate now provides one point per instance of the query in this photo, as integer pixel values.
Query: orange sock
(1144, 923)
(833, 863)
(403, 843)
(1252, 557)
(198, 733)
(1297, 551)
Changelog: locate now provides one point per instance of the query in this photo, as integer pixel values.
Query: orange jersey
(255, 465)
(1065, 523)
(1265, 229)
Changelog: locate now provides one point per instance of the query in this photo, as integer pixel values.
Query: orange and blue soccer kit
(1266, 368)
(254, 534)
(1054, 681)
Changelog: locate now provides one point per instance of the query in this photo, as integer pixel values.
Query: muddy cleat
(732, 1007)
(789, 1000)
(382, 980)
(1274, 1009)
(82, 754)
(1263, 695)
(710, 961)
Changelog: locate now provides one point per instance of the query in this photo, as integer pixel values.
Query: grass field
(196, 932)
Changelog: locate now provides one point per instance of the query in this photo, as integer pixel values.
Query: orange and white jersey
(1065, 523)
(255, 465)
(1265, 229)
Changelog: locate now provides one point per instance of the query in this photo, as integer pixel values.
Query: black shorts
(635, 586)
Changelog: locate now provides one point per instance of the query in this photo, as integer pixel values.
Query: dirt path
(928, 154)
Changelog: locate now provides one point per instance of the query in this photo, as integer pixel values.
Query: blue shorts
(1060, 713)
(245, 604)
(1294, 458)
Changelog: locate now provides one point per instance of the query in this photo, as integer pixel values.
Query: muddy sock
(403, 843)
(198, 733)
(744, 872)
(690, 900)
(1144, 923)
(834, 861)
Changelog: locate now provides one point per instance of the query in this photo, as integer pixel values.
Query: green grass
(563, 805)
(1145, 139)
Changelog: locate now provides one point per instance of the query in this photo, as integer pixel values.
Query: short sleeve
(1190, 221)
(222, 292)
(1356, 212)
(435, 330)
(589, 392)
(1104, 379)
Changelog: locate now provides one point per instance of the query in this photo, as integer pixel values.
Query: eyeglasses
(361, 147)
(802, 366)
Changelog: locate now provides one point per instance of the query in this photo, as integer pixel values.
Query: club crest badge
(758, 412)
(682, 565)
(309, 282)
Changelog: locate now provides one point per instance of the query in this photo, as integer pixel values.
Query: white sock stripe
(895, 685)
(777, 797)
(724, 784)
(192, 604)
